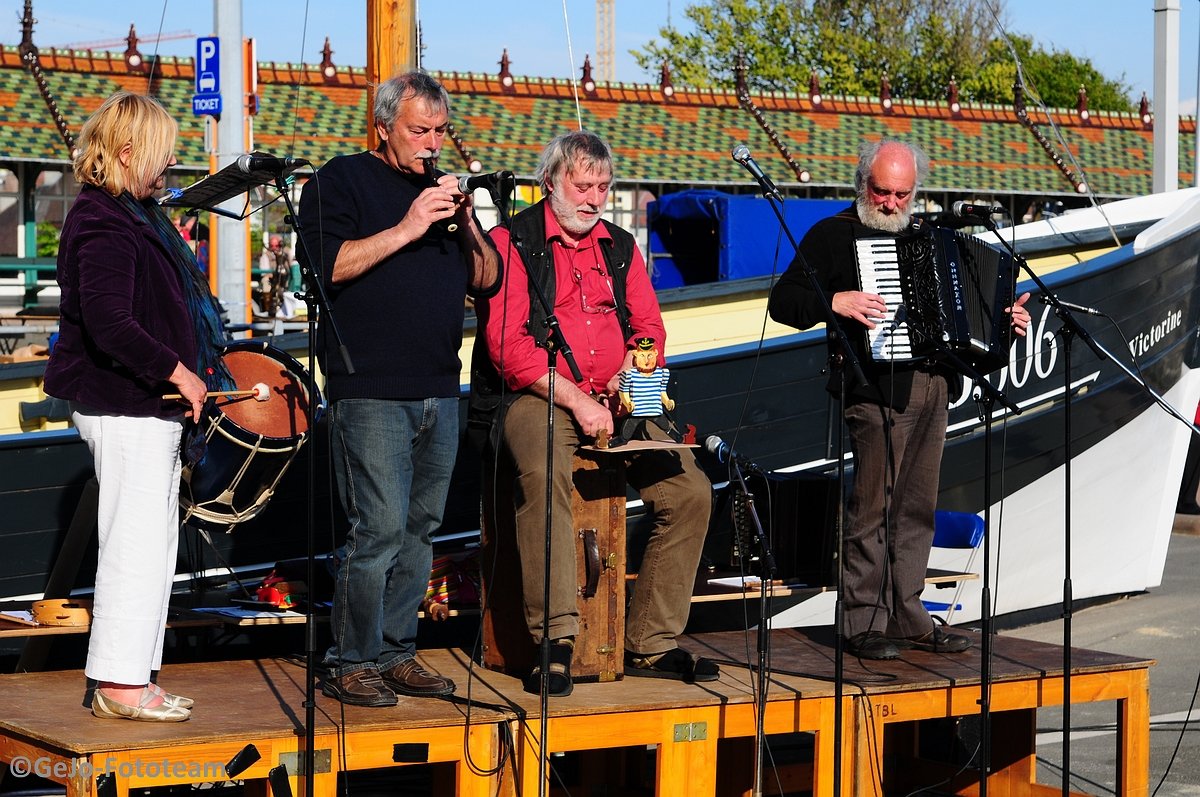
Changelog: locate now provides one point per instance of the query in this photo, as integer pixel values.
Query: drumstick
(260, 392)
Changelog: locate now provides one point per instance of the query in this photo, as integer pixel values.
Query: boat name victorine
(1034, 356)
(1145, 341)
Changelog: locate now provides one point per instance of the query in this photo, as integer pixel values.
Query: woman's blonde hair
(125, 118)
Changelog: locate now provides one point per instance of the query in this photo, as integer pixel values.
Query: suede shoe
(935, 641)
(872, 645)
(410, 678)
(359, 688)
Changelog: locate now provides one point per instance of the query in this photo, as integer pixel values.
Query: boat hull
(770, 402)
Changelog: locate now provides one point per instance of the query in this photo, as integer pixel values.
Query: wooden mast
(391, 49)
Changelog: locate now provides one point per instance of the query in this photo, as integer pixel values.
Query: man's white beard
(568, 216)
(894, 222)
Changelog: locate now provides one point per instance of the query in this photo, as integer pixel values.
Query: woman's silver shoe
(107, 708)
(179, 701)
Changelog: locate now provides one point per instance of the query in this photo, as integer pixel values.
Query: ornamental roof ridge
(182, 67)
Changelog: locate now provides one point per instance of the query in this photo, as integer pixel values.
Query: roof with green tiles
(682, 139)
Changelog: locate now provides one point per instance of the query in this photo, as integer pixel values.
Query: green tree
(851, 44)
(47, 239)
(1053, 76)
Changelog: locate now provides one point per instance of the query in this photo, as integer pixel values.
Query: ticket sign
(207, 99)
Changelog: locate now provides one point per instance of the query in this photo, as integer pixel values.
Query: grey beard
(895, 223)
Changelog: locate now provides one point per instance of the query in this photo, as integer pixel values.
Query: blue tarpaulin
(709, 236)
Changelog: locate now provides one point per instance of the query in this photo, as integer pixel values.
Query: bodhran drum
(248, 443)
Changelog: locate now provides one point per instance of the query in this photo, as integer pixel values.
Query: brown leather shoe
(410, 678)
(359, 688)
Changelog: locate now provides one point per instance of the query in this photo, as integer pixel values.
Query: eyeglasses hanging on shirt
(595, 289)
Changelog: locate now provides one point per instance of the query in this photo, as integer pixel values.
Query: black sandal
(675, 664)
(559, 683)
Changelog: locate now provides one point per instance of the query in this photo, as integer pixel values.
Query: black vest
(528, 232)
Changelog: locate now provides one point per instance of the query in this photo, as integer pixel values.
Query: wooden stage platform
(487, 734)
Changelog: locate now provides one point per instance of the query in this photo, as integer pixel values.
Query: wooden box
(598, 518)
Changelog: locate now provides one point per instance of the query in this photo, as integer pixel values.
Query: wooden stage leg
(866, 753)
(473, 777)
(688, 766)
(73, 773)
(1133, 736)
(825, 741)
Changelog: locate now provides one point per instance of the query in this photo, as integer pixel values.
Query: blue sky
(469, 35)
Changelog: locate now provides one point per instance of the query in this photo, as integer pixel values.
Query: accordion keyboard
(879, 273)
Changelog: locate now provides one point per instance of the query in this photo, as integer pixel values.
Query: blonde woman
(137, 322)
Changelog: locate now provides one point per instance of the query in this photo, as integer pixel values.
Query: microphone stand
(846, 358)
(984, 399)
(556, 343)
(206, 194)
(762, 681)
(985, 395)
(315, 299)
(1069, 330)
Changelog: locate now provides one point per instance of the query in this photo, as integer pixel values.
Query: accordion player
(945, 294)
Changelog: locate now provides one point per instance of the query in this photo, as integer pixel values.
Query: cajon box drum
(598, 520)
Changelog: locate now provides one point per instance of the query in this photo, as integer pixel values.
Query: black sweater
(829, 249)
(402, 320)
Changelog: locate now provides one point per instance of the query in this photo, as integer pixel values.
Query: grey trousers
(677, 495)
(889, 527)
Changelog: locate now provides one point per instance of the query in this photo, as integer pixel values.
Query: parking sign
(207, 99)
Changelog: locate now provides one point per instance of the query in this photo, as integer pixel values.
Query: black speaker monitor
(798, 512)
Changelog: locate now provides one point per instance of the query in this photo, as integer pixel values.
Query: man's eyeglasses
(607, 304)
(884, 193)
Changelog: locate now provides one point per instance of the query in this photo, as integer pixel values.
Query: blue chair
(955, 530)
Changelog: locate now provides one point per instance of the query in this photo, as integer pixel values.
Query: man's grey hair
(404, 88)
(869, 151)
(580, 147)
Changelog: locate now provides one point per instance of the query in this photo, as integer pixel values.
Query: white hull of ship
(1124, 491)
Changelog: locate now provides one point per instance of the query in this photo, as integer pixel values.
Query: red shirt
(583, 304)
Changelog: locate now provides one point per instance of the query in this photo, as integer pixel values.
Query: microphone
(966, 210)
(725, 453)
(1074, 308)
(260, 162)
(900, 316)
(741, 154)
(493, 182)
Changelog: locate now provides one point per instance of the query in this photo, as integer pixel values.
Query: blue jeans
(394, 460)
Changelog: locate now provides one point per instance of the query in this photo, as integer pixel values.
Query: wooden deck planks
(261, 702)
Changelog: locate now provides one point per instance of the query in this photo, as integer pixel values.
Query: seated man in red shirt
(594, 278)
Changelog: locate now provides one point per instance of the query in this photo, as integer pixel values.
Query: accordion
(945, 294)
